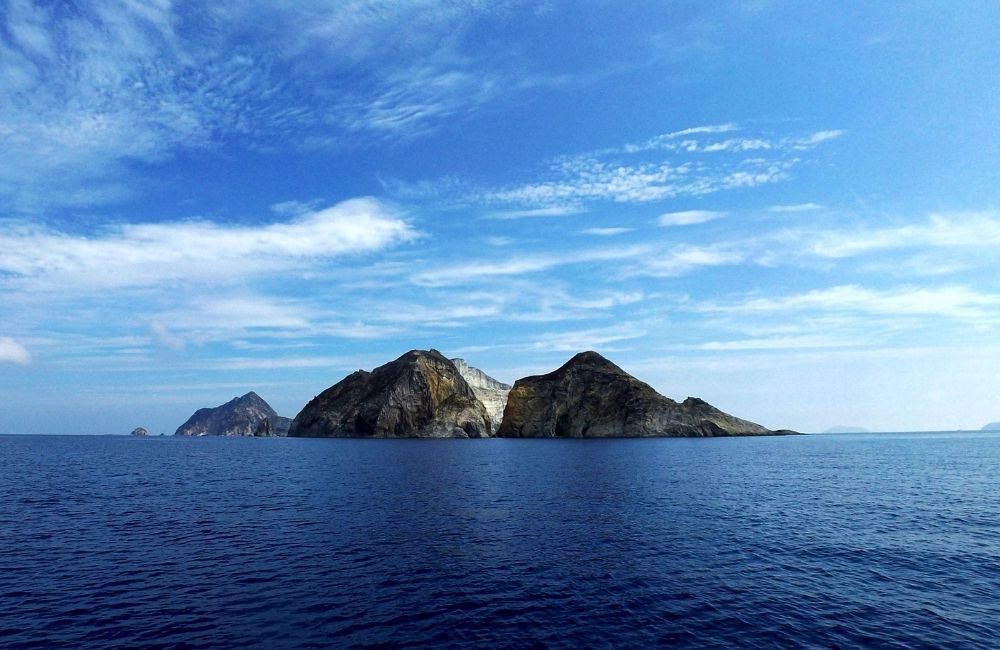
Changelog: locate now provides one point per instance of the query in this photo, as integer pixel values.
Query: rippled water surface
(875, 540)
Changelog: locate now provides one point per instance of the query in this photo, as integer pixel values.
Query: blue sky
(788, 209)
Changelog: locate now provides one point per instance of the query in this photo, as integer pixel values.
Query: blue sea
(882, 540)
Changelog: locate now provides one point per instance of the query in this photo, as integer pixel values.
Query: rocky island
(248, 415)
(992, 426)
(421, 394)
(139, 432)
(590, 397)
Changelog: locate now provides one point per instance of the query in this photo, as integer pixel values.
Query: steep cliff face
(241, 416)
(419, 395)
(489, 391)
(272, 427)
(590, 397)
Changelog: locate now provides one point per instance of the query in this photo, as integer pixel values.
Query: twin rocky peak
(423, 394)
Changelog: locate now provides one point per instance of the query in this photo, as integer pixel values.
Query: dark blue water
(822, 541)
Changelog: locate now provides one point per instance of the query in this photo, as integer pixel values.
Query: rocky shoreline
(423, 394)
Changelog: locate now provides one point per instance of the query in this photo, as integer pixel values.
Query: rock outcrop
(272, 427)
(241, 416)
(419, 395)
(590, 397)
(489, 391)
(139, 432)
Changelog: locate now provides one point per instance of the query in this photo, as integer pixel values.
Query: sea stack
(139, 432)
(241, 416)
(590, 397)
(419, 395)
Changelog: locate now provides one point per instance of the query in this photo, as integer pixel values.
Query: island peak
(591, 397)
(421, 394)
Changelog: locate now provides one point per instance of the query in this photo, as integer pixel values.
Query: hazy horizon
(791, 211)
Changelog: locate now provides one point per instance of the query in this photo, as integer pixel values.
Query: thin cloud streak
(938, 302)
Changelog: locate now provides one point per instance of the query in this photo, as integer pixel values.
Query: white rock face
(489, 391)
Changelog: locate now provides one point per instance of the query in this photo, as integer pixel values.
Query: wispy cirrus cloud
(688, 162)
(684, 259)
(586, 339)
(953, 301)
(468, 272)
(957, 230)
(87, 93)
(549, 211)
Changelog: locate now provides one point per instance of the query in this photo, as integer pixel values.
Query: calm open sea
(888, 540)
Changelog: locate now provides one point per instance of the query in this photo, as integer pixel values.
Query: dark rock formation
(276, 426)
(264, 429)
(489, 391)
(139, 432)
(241, 416)
(419, 395)
(590, 397)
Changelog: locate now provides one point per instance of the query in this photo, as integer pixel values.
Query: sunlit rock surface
(489, 391)
(419, 395)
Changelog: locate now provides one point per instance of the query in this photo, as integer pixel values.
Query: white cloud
(666, 166)
(969, 230)
(940, 302)
(86, 93)
(803, 342)
(500, 241)
(413, 99)
(606, 232)
(589, 339)
(684, 259)
(666, 140)
(464, 273)
(594, 180)
(689, 217)
(163, 336)
(797, 207)
(550, 211)
(13, 352)
(135, 255)
(816, 138)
